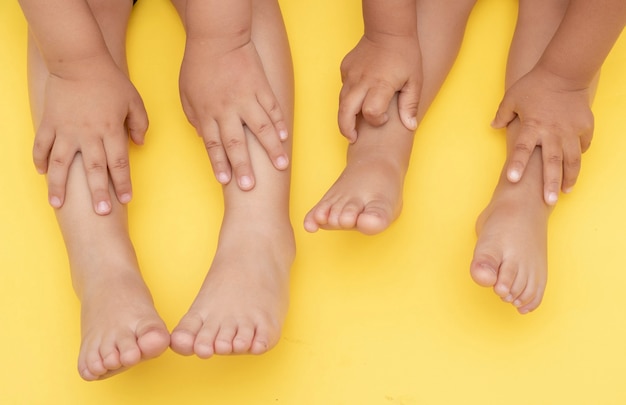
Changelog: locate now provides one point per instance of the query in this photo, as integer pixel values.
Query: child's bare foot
(510, 254)
(367, 196)
(120, 326)
(243, 301)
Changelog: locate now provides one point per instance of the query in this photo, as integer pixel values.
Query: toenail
(517, 303)
(508, 298)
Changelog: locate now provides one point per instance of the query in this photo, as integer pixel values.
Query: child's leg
(510, 254)
(368, 194)
(243, 301)
(119, 323)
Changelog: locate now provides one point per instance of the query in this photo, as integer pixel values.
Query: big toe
(485, 265)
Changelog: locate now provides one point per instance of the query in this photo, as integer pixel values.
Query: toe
(204, 346)
(184, 335)
(374, 219)
(243, 340)
(152, 339)
(129, 351)
(486, 262)
(224, 338)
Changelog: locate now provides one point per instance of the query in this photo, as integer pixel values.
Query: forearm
(389, 18)
(66, 32)
(226, 22)
(584, 39)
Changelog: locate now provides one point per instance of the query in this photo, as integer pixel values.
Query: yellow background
(389, 319)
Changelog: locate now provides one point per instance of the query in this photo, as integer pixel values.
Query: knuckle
(573, 162)
(233, 143)
(120, 163)
(554, 159)
(212, 144)
(263, 128)
(94, 167)
(523, 148)
(273, 108)
(372, 111)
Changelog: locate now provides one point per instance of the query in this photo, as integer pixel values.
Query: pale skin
(510, 254)
(511, 251)
(551, 99)
(367, 196)
(243, 301)
(120, 326)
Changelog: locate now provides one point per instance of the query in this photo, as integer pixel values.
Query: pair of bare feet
(240, 307)
(510, 254)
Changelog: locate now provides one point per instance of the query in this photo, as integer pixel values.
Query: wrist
(564, 78)
(81, 65)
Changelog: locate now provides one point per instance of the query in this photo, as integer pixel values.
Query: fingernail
(282, 162)
(222, 177)
(552, 198)
(283, 135)
(125, 198)
(514, 175)
(103, 207)
(245, 182)
(55, 202)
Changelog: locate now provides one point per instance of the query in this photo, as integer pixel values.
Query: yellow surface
(390, 319)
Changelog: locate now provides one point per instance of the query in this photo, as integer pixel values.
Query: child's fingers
(236, 147)
(350, 103)
(408, 102)
(552, 156)
(42, 147)
(270, 104)
(210, 133)
(137, 121)
(61, 158)
(96, 170)
(119, 168)
(571, 165)
(522, 149)
(262, 127)
(376, 105)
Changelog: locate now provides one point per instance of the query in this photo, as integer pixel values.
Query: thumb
(505, 114)
(137, 121)
(408, 101)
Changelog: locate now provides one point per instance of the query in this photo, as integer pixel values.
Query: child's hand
(372, 73)
(90, 111)
(223, 91)
(555, 114)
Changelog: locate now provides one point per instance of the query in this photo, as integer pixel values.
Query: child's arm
(385, 61)
(553, 100)
(224, 88)
(90, 106)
